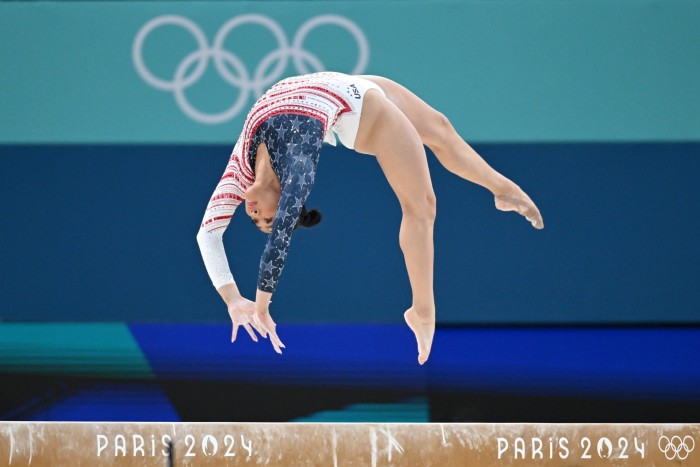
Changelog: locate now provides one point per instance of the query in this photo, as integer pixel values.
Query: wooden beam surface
(361, 444)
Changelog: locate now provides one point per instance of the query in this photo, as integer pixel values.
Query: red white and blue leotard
(322, 97)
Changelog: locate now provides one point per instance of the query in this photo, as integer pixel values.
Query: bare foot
(424, 331)
(521, 203)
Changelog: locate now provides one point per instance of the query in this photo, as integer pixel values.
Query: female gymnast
(273, 166)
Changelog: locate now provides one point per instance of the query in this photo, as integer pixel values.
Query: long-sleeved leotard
(294, 144)
(322, 99)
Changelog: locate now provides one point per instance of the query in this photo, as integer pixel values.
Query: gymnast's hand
(263, 321)
(241, 310)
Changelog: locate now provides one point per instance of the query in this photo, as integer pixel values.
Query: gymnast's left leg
(386, 132)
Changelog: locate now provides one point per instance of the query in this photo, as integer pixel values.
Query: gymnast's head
(261, 202)
(261, 206)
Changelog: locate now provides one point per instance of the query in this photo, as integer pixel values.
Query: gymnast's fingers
(268, 326)
(257, 328)
(250, 332)
(234, 332)
(276, 340)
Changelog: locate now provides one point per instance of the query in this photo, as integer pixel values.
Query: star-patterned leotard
(294, 144)
(313, 105)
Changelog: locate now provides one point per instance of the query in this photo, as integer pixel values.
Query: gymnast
(273, 166)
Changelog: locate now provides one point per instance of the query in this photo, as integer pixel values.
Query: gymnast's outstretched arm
(297, 186)
(227, 196)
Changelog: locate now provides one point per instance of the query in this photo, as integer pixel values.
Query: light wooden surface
(290, 444)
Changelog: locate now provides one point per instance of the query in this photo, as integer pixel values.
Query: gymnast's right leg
(436, 132)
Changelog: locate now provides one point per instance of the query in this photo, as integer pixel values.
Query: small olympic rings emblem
(675, 447)
(304, 61)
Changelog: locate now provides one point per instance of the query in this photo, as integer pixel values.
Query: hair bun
(309, 218)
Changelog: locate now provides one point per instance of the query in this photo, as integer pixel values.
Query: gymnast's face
(261, 205)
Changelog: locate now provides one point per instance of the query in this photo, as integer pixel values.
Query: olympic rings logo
(242, 79)
(676, 447)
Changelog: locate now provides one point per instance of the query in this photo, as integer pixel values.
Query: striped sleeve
(222, 204)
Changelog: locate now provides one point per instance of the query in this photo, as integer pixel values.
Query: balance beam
(337, 444)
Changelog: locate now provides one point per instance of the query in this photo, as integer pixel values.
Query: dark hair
(308, 218)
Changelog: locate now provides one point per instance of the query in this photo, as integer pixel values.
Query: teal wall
(502, 71)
